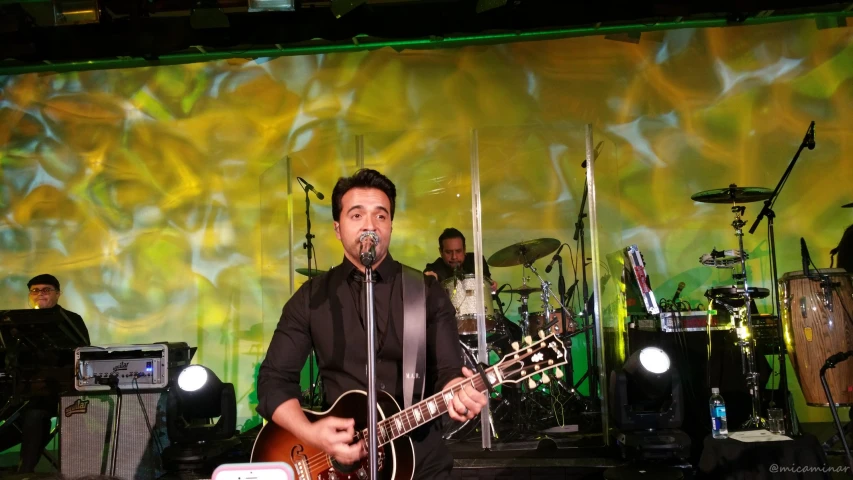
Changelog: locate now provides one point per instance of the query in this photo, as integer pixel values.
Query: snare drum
(537, 321)
(817, 326)
(462, 295)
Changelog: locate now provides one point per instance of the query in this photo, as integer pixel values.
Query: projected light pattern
(139, 188)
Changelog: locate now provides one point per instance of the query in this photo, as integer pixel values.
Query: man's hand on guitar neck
(467, 403)
(332, 435)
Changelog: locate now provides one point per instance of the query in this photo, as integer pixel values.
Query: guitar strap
(414, 334)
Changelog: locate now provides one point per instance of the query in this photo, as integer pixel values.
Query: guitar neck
(433, 407)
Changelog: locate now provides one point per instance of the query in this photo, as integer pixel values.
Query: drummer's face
(364, 209)
(453, 252)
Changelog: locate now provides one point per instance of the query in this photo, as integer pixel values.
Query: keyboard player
(34, 418)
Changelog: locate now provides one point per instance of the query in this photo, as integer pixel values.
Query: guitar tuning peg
(515, 346)
(541, 334)
(545, 378)
(559, 373)
(528, 340)
(531, 383)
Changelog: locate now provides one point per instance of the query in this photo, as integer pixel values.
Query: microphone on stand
(596, 153)
(369, 240)
(804, 254)
(810, 137)
(554, 259)
(678, 290)
(310, 188)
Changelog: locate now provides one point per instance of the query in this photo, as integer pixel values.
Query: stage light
(646, 392)
(485, 5)
(647, 405)
(271, 5)
(76, 12)
(342, 7)
(201, 420)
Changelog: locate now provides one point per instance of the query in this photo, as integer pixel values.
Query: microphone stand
(590, 346)
(309, 245)
(767, 211)
(370, 324)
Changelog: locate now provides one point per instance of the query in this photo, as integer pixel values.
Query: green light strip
(425, 43)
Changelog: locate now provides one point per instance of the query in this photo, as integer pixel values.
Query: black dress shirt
(324, 314)
(444, 271)
(845, 250)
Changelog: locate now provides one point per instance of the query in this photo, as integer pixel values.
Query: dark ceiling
(151, 30)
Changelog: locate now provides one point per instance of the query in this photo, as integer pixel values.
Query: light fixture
(76, 12)
(201, 420)
(272, 5)
(485, 5)
(647, 406)
(342, 7)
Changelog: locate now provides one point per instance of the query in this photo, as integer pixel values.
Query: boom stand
(313, 382)
(591, 364)
(767, 211)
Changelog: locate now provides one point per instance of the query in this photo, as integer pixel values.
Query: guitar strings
(323, 459)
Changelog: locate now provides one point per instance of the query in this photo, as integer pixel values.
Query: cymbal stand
(546, 293)
(746, 339)
(523, 309)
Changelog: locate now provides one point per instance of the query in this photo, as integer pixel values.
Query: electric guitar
(396, 456)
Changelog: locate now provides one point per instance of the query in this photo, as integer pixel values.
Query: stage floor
(562, 456)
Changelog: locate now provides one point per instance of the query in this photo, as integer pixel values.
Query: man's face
(453, 252)
(43, 296)
(364, 209)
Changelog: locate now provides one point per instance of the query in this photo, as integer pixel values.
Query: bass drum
(818, 324)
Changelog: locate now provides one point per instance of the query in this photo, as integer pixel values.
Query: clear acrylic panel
(532, 190)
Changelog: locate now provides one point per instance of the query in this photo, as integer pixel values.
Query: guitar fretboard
(433, 407)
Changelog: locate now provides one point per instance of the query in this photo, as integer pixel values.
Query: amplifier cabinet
(88, 441)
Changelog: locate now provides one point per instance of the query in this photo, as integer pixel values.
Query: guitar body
(396, 459)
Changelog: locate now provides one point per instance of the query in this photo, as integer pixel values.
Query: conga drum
(817, 322)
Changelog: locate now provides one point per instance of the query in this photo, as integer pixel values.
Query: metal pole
(372, 445)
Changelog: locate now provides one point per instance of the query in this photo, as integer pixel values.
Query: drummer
(845, 250)
(451, 247)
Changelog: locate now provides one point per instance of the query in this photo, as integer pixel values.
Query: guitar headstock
(535, 358)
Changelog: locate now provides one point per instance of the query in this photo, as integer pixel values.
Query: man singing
(327, 314)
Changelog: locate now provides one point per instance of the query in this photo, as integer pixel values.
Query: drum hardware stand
(746, 340)
(767, 211)
(314, 383)
(591, 347)
(842, 431)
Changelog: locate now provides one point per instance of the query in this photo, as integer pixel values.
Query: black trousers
(31, 429)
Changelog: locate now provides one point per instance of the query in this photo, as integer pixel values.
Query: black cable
(151, 433)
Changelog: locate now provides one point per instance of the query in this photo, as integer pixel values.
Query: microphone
(369, 241)
(678, 290)
(810, 137)
(595, 156)
(804, 253)
(554, 259)
(310, 188)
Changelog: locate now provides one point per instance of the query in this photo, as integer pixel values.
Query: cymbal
(523, 253)
(524, 291)
(733, 194)
(849, 205)
(314, 273)
(733, 296)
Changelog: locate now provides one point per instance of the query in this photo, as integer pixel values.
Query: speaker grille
(87, 434)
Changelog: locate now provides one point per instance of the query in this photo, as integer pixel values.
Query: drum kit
(815, 311)
(504, 335)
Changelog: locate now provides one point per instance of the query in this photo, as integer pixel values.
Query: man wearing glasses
(33, 425)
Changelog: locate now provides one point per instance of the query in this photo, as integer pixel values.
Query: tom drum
(463, 297)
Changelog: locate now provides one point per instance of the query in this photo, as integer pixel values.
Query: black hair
(44, 279)
(363, 178)
(449, 233)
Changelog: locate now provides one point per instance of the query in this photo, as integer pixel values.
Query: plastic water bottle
(719, 426)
